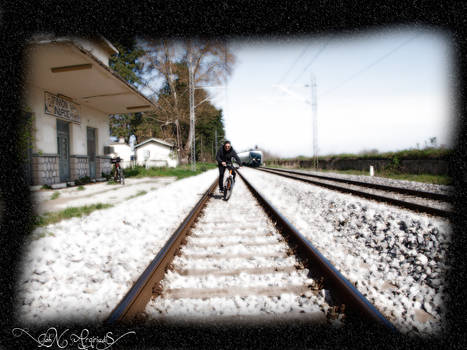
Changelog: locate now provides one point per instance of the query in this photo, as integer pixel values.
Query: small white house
(155, 153)
(122, 150)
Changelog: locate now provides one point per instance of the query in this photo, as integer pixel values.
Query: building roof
(118, 143)
(153, 139)
(63, 66)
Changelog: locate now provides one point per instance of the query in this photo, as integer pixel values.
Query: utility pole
(201, 147)
(314, 116)
(314, 113)
(192, 111)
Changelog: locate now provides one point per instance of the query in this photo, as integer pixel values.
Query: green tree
(127, 65)
(123, 125)
(126, 62)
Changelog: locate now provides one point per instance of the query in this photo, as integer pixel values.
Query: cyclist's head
(227, 145)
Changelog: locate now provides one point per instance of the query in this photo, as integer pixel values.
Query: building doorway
(63, 141)
(91, 136)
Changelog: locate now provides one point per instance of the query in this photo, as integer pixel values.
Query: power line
(353, 76)
(312, 60)
(293, 65)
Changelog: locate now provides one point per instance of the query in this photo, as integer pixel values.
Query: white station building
(70, 93)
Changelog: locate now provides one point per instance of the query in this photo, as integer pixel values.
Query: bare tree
(168, 59)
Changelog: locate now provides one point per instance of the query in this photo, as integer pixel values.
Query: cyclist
(224, 155)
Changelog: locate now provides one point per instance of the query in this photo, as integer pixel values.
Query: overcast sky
(388, 89)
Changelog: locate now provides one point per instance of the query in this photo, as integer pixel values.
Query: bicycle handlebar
(230, 165)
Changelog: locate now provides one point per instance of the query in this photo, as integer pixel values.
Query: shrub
(83, 180)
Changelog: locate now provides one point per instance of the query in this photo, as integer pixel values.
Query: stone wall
(45, 169)
(78, 167)
(103, 165)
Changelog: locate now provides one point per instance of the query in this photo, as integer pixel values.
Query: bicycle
(118, 171)
(229, 181)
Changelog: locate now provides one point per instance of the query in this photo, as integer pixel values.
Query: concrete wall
(103, 165)
(79, 167)
(435, 166)
(45, 169)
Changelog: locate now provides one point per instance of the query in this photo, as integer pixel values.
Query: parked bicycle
(118, 171)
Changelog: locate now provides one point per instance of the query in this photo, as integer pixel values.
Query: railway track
(423, 201)
(241, 260)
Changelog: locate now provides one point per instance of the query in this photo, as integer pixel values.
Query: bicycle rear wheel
(120, 175)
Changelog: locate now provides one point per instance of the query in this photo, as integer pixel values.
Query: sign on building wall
(61, 108)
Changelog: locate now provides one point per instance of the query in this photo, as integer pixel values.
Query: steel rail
(408, 191)
(345, 291)
(390, 200)
(140, 293)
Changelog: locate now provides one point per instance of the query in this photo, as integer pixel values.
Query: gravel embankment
(396, 258)
(415, 185)
(432, 203)
(79, 269)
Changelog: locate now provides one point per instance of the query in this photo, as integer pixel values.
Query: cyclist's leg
(221, 176)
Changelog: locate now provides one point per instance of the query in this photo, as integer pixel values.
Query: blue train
(253, 158)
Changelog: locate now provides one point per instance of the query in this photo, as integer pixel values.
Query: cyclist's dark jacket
(226, 156)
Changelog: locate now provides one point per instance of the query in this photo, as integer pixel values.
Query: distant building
(122, 150)
(155, 153)
(70, 93)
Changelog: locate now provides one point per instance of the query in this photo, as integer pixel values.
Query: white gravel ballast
(236, 264)
(395, 257)
(79, 269)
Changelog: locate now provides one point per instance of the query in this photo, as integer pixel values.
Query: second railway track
(423, 201)
(233, 263)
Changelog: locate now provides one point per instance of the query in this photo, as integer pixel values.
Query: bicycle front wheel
(227, 188)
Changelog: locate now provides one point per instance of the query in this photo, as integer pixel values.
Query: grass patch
(55, 195)
(179, 172)
(140, 193)
(411, 153)
(83, 180)
(42, 235)
(425, 178)
(68, 213)
(81, 188)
